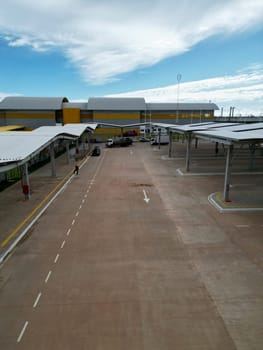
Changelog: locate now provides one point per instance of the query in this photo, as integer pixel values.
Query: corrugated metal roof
(32, 103)
(80, 105)
(186, 128)
(220, 132)
(181, 106)
(116, 104)
(254, 135)
(21, 145)
(238, 133)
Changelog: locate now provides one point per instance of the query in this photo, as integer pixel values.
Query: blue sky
(85, 48)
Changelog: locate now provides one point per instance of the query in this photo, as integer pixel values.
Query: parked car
(95, 151)
(122, 142)
(162, 139)
(144, 139)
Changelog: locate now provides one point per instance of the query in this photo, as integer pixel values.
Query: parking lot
(132, 255)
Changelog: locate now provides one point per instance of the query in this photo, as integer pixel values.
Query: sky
(163, 50)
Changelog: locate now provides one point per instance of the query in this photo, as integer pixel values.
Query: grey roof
(182, 106)
(19, 146)
(80, 105)
(227, 133)
(188, 128)
(115, 104)
(32, 103)
(239, 133)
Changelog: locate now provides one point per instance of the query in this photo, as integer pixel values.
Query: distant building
(33, 112)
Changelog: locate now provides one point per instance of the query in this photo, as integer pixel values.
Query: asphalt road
(132, 256)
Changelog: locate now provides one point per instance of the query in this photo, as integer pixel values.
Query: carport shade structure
(17, 148)
(251, 134)
(187, 130)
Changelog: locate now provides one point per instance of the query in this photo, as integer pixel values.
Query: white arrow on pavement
(146, 198)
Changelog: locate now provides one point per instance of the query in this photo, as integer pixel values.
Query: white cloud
(7, 94)
(244, 91)
(107, 38)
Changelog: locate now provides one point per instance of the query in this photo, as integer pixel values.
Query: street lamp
(179, 77)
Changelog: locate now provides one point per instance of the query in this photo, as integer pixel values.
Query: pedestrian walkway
(16, 212)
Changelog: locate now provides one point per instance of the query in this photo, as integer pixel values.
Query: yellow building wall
(30, 115)
(113, 115)
(71, 115)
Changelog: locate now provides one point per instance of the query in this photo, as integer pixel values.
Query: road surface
(132, 256)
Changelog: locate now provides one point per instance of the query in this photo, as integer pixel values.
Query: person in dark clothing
(76, 170)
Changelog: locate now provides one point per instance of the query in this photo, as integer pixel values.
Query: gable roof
(32, 103)
(19, 146)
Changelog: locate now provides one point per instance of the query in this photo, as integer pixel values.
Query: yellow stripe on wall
(114, 115)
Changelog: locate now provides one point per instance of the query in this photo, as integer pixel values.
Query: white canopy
(19, 146)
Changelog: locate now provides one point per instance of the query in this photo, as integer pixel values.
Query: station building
(33, 112)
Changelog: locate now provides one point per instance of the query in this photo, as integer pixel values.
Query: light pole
(179, 77)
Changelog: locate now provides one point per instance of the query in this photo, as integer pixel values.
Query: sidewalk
(16, 212)
(240, 201)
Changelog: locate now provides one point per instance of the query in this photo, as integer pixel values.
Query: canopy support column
(170, 144)
(188, 149)
(52, 160)
(88, 139)
(25, 181)
(227, 173)
(67, 152)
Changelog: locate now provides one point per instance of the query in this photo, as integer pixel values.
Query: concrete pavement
(104, 269)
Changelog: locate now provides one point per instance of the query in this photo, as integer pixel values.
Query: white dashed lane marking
(22, 332)
(56, 258)
(37, 300)
(48, 276)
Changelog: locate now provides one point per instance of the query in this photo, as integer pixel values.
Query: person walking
(76, 170)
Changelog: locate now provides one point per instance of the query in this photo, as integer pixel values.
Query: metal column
(52, 160)
(67, 152)
(88, 138)
(227, 173)
(170, 144)
(188, 148)
(25, 181)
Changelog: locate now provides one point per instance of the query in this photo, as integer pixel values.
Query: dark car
(95, 151)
